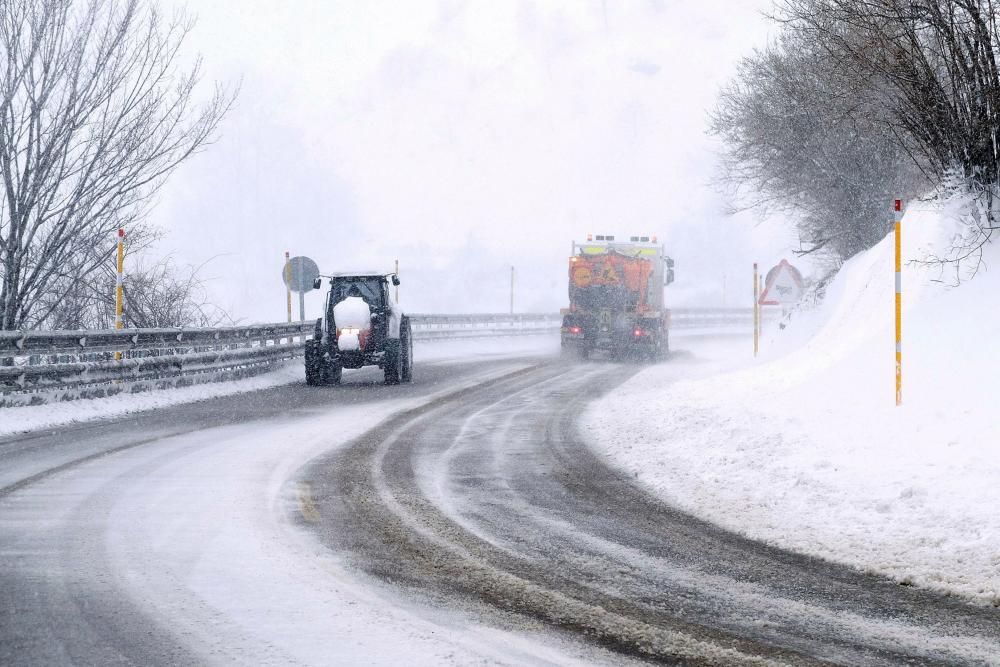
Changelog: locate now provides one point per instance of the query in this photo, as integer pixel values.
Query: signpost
(512, 290)
(299, 275)
(756, 311)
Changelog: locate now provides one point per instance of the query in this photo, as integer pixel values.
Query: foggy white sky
(463, 138)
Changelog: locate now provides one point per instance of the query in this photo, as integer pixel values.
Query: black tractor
(372, 330)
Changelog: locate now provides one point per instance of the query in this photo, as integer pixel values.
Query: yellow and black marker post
(898, 224)
(120, 286)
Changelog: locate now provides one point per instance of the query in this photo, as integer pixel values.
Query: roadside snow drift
(31, 418)
(806, 448)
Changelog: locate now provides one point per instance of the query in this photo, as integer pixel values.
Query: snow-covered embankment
(806, 449)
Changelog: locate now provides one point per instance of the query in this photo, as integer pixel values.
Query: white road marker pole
(288, 290)
(756, 311)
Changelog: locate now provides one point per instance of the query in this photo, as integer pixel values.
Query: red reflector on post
(899, 204)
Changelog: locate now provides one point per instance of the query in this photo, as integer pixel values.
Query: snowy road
(454, 521)
(488, 496)
(164, 538)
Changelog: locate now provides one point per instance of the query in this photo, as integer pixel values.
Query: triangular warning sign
(783, 286)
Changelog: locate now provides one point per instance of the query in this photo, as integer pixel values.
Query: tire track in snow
(488, 495)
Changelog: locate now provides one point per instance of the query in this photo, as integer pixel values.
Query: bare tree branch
(95, 113)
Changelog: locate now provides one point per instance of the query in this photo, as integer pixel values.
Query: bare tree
(157, 294)
(859, 101)
(936, 59)
(803, 139)
(939, 81)
(161, 294)
(95, 113)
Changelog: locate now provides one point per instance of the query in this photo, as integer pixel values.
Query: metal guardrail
(482, 325)
(45, 366)
(720, 320)
(49, 342)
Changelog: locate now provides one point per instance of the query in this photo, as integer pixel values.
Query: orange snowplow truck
(616, 298)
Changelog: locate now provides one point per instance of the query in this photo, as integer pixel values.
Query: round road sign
(300, 273)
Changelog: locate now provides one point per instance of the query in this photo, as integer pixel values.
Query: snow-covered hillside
(806, 449)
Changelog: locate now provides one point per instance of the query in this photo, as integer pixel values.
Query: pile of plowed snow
(806, 449)
(445, 351)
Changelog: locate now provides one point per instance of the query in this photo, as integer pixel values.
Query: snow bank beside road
(49, 415)
(25, 419)
(807, 450)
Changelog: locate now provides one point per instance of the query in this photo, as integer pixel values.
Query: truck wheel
(406, 346)
(393, 361)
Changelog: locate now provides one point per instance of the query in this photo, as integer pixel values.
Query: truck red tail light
(638, 332)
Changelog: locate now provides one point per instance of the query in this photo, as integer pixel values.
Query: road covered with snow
(806, 449)
(469, 518)
(490, 500)
(164, 538)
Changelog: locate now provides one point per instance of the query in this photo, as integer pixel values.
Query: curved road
(458, 520)
(490, 496)
(165, 538)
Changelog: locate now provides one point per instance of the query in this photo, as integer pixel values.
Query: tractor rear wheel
(393, 361)
(406, 350)
(314, 365)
